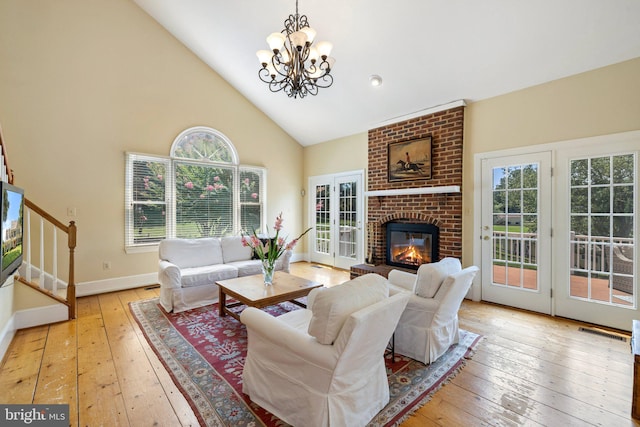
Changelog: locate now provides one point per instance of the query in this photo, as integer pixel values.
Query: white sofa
(429, 324)
(189, 268)
(324, 365)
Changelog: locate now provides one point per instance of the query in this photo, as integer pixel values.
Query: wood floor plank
(88, 306)
(574, 400)
(57, 383)
(178, 402)
(146, 401)
(527, 408)
(454, 405)
(99, 395)
(21, 366)
(565, 380)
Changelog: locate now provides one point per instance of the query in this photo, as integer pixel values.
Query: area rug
(204, 354)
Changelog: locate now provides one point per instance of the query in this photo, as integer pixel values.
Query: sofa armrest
(267, 332)
(393, 289)
(169, 275)
(286, 261)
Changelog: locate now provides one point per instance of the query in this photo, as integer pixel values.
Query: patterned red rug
(204, 355)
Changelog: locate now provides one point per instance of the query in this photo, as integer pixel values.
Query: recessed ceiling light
(375, 80)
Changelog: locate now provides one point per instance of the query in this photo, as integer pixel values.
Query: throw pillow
(430, 276)
(331, 307)
(233, 250)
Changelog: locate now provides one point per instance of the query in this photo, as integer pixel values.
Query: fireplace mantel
(409, 191)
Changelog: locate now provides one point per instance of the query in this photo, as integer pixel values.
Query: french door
(564, 245)
(596, 253)
(337, 215)
(516, 231)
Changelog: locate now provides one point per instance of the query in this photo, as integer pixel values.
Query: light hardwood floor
(529, 369)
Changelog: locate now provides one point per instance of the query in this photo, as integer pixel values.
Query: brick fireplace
(441, 210)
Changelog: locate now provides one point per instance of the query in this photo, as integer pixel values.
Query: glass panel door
(337, 218)
(516, 231)
(595, 253)
(349, 230)
(602, 223)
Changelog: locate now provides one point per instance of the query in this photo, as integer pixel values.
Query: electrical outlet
(106, 265)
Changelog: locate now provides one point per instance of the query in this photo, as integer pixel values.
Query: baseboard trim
(28, 318)
(298, 257)
(115, 284)
(6, 336)
(37, 316)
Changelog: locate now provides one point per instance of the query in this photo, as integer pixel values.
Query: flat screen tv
(12, 199)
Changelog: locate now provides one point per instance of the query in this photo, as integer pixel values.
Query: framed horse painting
(410, 160)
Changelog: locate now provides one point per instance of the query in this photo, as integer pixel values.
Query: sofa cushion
(247, 268)
(207, 275)
(331, 307)
(232, 249)
(187, 253)
(430, 276)
(252, 266)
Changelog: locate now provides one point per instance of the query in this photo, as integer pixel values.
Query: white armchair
(429, 324)
(324, 366)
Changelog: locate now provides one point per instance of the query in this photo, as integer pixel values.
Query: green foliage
(602, 196)
(204, 196)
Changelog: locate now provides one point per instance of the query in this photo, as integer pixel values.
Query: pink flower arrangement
(270, 249)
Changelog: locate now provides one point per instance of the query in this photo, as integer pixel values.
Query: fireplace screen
(411, 245)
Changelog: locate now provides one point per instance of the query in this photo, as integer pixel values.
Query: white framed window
(200, 190)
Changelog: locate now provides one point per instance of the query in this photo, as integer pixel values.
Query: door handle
(486, 237)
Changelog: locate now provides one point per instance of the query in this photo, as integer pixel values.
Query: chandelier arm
(264, 75)
(324, 82)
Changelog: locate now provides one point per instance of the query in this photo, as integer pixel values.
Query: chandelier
(293, 65)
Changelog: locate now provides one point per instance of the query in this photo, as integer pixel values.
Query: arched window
(200, 190)
(206, 144)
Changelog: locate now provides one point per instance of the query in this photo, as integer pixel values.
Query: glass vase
(268, 268)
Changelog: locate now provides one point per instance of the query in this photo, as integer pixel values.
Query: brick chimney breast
(443, 210)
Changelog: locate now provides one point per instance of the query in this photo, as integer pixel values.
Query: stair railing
(44, 277)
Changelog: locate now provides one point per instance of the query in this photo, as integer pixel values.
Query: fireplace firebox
(410, 245)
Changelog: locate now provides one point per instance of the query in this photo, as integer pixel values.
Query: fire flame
(409, 255)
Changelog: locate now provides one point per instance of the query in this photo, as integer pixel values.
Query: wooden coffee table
(252, 292)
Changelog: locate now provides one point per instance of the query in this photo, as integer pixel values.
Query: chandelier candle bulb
(310, 32)
(324, 49)
(298, 39)
(264, 56)
(276, 42)
(293, 65)
(313, 55)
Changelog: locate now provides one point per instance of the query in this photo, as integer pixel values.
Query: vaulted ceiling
(429, 52)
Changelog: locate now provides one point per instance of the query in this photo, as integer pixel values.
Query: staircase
(48, 264)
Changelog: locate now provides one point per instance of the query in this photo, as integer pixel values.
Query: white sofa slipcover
(305, 383)
(429, 326)
(189, 268)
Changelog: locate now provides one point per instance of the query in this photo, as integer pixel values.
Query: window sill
(138, 249)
